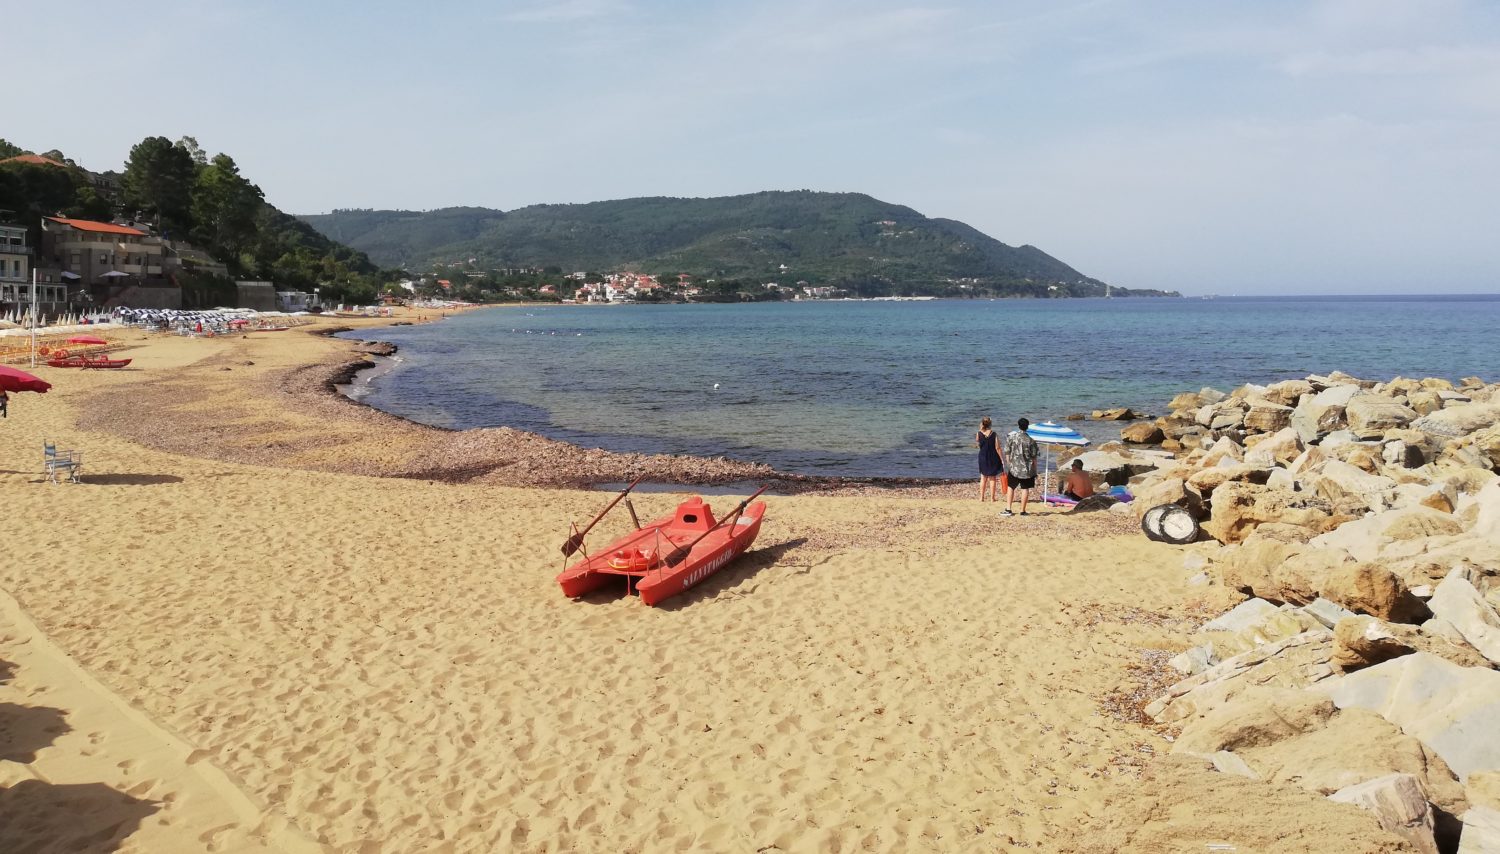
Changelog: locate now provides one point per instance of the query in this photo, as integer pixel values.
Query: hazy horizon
(1289, 147)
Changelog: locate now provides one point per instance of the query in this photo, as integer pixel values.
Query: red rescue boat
(648, 558)
(86, 362)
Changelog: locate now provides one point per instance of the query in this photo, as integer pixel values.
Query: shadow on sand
(122, 479)
(737, 570)
(25, 730)
(90, 818)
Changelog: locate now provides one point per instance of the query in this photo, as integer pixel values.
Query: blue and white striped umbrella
(1052, 433)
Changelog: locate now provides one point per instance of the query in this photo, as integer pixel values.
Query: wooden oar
(577, 539)
(679, 554)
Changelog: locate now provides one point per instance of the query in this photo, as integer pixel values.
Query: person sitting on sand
(989, 460)
(1077, 485)
(1020, 466)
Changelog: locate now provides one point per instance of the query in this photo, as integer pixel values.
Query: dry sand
(384, 664)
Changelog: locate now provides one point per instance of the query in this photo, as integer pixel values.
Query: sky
(1208, 146)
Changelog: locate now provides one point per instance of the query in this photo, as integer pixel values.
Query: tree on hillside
(224, 208)
(9, 150)
(158, 180)
(194, 150)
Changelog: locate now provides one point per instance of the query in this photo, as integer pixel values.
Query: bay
(892, 389)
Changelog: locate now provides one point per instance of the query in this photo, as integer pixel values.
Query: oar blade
(572, 545)
(676, 556)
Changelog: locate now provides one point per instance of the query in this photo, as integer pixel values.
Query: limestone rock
(1266, 417)
(1287, 392)
(1481, 833)
(1457, 602)
(1222, 451)
(1348, 489)
(1360, 641)
(1257, 717)
(1411, 523)
(1241, 617)
(1204, 481)
(1449, 708)
(1123, 413)
(1295, 662)
(1487, 443)
(1483, 789)
(1370, 415)
(1238, 508)
(1282, 447)
(1187, 400)
(1317, 415)
(1402, 454)
(1459, 419)
(1167, 490)
(1424, 402)
(1194, 660)
(1367, 588)
(1143, 433)
(1398, 802)
(1326, 612)
(1362, 539)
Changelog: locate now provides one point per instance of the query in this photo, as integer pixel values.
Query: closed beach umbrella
(1051, 433)
(12, 379)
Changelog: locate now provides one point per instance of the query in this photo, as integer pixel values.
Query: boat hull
(638, 556)
(88, 363)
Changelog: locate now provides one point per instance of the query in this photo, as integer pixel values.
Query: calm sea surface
(893, 388)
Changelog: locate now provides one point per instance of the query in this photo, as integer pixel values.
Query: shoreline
(711, 472)
(383, 659)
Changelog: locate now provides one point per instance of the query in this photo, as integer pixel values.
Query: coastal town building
(104, 264)
(15, 273)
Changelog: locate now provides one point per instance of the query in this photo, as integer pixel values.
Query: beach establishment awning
(114, 274)
(71, 276)
(12, 379)
(1051, 433)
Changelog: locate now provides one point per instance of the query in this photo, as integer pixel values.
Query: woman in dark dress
(989, 460)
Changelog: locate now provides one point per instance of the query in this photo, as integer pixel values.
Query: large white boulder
(1461, 605)
(1317, 415)
(1481, 833)
(1449, 708)
(1348, 488)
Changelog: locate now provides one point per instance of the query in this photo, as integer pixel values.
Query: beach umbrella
(12, 379)
(1051, 433)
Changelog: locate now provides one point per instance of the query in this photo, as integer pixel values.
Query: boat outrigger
(668, 555)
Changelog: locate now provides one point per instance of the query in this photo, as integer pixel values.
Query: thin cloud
(566, 11)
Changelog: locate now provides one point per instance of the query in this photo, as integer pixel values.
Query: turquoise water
(893, 388)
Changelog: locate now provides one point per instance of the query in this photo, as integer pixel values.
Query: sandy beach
(273, 619)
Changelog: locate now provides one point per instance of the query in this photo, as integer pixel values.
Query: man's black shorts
(1020, 482)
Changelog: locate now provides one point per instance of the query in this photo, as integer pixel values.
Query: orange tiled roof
(34, 160)
(101, 227)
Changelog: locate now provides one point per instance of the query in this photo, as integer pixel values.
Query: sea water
(893, 388)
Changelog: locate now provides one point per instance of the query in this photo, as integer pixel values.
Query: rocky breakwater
(1361, 521)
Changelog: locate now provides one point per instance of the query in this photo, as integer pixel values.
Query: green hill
(847, 240)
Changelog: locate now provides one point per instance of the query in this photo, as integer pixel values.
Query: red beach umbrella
(12, 379)
(86, 339)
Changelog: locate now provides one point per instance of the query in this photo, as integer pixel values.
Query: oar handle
(576, 540)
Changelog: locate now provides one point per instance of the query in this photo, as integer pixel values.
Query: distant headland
(769, 245)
